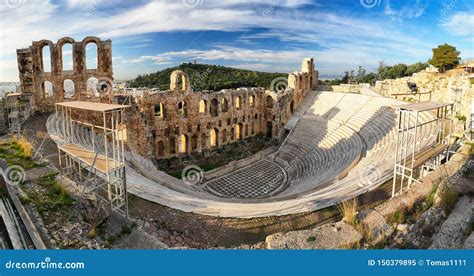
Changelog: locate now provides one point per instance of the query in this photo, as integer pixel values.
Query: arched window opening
(182, 148)
(203, 141)
(213, 137)
(292, 104)
(238, 131)
(224, 105)
(46, 57)
(224, 136)
(252, 101)
(269, 102)
(202, 106)
(182, 108)
(91, 56)
(194, 142)
(161, 149)
(237, 103)
(214, 107)
(232, 134)
(69, 89)
(92, 86)
(269, 130)
(67, 58)
(47, 89)
(172, 146)
(159, 111)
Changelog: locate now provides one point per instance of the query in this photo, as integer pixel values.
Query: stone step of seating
(341, 124)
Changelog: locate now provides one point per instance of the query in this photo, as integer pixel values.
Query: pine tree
(445, 57)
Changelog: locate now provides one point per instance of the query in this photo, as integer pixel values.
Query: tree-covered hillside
(208, 77)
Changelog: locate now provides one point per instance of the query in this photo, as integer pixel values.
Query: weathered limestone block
(455, 229)
(330, 236)
(375, 223)
(469, 243)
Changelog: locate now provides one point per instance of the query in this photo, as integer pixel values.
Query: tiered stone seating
(323, 160)
(343, 128)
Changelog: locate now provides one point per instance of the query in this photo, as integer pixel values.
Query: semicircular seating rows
(344, 129)
(342, 145)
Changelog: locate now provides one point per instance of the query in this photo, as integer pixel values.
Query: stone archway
(69, 89)
(176, 77)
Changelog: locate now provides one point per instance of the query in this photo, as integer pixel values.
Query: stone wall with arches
(38, 70)
(180, 121)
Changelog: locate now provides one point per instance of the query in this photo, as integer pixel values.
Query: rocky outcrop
(377, 229)
(456, 228)
(330, 236)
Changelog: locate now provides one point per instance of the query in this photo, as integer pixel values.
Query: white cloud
(409, 11)
(337, 40)
(461, 24)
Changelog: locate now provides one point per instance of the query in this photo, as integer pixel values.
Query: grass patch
(18, 152)
(311, 239)
(398, 216)
(348, 210)
(449, 198)
(57, 194)
(54, 197)
(429, 200)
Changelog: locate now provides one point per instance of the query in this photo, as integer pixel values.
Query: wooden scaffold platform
(100, 166)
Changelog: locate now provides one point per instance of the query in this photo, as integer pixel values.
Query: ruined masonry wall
(453, 86)
(170, 123)
(33, 77)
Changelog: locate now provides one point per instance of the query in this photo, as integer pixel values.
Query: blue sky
(271, 36)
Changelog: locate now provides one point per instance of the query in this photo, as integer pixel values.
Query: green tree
(445, 57)
(415, 68)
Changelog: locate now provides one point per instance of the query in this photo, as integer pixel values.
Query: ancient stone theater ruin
(48, 84)
(329, 146)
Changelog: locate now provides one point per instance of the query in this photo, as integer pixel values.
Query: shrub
(429, 200)
(311, 239)
(348, 211)
(449, 198)
(398, 216)
(25, 147)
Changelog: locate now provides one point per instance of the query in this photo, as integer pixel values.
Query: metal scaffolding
(18, 109)
(408, 155)
(99, 167)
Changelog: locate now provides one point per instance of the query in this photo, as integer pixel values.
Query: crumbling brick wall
(180, 121)
(33, 76)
